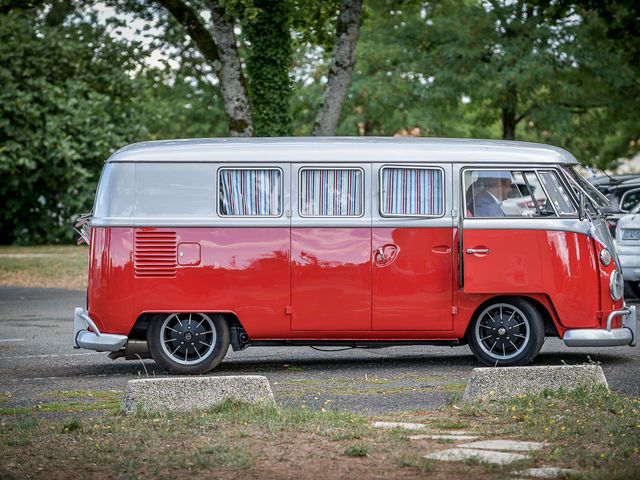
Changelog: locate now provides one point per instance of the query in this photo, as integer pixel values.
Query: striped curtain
(412, 191)
(331, 192)
(250, 192)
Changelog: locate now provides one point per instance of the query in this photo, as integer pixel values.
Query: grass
(57, 266)
(70, 401)
(357, 450)
(594, 431)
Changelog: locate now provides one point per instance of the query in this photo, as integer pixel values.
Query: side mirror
(582, 206)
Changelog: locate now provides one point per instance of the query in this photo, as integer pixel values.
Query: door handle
(381, 253)
(471, 251)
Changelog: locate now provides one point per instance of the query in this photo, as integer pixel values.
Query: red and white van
(196, 245)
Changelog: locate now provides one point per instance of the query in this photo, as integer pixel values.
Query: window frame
(220, 169)
(411, 215)
(362, 194)
(519, 169)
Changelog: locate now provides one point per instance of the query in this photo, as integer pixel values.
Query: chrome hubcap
(188, 338)
(502, 331)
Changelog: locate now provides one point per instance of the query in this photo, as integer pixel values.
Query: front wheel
(506, 332)
(188, 343)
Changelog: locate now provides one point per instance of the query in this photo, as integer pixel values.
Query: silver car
(628, 245)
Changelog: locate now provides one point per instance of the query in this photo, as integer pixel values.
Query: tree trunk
(221, 52)
(344, 57)
(509, 109)
(229, 70)
(268, 64)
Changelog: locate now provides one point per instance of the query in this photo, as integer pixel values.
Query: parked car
(628, 244)
(622, 191)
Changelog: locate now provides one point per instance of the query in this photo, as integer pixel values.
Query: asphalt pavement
(37, 358)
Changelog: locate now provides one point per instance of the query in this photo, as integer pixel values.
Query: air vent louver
(155, 253)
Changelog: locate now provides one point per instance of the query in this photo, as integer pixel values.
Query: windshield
(597, 198)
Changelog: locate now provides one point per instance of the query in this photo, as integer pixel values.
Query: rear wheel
(188, 343)
(508, 331)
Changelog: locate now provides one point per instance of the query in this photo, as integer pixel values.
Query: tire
(506, 332)
(176, 342)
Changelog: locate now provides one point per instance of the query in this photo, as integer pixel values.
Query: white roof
(342, 150)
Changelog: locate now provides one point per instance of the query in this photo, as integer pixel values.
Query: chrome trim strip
(95, 340)
(542, 223)
(445, 222)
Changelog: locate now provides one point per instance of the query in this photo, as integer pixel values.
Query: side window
(629, 200)
(505, 193)
(559, 196)
(250, 192)
(331, 192)
(406, 191)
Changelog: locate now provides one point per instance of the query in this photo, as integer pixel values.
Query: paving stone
(546, 472)
(443, 437)
(505, 382)
(453, 432)
(486, 456)
(406, 426)
(181, 394)
(510, 445)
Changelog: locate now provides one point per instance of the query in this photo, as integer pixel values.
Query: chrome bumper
(607, 337)
(94, 340)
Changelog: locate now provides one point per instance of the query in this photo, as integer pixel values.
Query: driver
(488, 192)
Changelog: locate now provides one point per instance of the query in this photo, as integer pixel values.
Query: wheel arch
(541, 303)
(141, 325)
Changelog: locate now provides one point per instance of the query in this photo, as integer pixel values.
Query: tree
(342, 63)
(253, 66)
(65, 103)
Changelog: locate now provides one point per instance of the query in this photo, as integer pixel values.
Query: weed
(221, 455)
(424, 465)
(357, 450)
(450, 425)
(72, 426)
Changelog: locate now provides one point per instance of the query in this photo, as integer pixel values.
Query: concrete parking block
(406, 426)
(437, 436)
(181, 394)
(546, 472)
(486, 456)
(509, 445)
(504, 382)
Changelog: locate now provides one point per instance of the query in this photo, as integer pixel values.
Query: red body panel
(562, 265)
(337, 284)
(331, 267)
(412, 285)
(111, 285)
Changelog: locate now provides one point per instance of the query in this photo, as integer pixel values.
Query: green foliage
(268, 62)
(180, 105)
(357, 450)
(67, 100)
